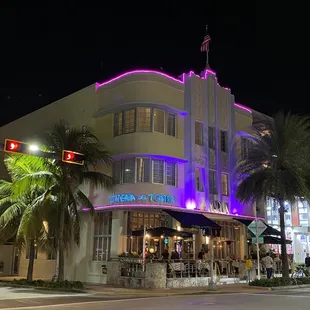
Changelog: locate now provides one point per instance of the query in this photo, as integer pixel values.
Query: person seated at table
(165, 254)
(201, 254)
(175, 255)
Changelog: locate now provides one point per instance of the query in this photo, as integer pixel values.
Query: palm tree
(277, 166)
(18, 216)
(64, 180)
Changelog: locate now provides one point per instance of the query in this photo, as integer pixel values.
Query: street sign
(260, 226)
(260, 240)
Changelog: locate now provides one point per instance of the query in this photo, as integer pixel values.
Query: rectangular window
(158, 171)
(118, 124)
(117, 172)
(144, 119)
(244, 147)
(159, 120)
(102, 236)
(128, 170)
(212, 139)
(199, 133)
(129, 121)
(171, 124)
(225, 184)
(224, 144)
(171, 174)
(51, 255)
(199, 182)
(143, 170)
(212, 182)
(35, 252)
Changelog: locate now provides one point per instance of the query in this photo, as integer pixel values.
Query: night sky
(258, 50)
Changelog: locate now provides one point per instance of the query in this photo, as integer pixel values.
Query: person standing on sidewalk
(248, 268)
(268, 263)
(307, 263)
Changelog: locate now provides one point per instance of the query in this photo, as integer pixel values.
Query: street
(284, 300)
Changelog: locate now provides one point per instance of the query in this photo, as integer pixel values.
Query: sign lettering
(219, 207)
(159, 198)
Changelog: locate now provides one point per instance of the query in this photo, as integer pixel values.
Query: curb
(290, 287)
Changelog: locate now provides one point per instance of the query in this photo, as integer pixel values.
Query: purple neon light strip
(180, 81)
(119, 206)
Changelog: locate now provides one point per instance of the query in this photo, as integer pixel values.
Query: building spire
(205, 46)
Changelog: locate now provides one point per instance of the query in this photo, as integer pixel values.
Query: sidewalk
(105, 290)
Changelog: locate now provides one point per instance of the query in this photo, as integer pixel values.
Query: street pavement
(276, 300)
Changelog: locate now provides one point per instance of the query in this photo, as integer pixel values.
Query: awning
(270, 231)
(273, 240)
(195, 220)
(162, 231)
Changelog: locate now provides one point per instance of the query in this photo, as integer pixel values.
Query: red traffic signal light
(72, 157)
(12, 146)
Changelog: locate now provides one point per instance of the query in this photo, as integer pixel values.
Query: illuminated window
(143, 170)
(212, 139)
(128, 170)
(224, 142)
(102, 236)
(159, 120)
(225, 184)
(158, 171)
(144, 119)
(199, 133)
(129, 121)
(171, 174)
(212, 182)
(171, 124)
(199, 182)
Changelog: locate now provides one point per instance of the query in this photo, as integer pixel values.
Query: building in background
(173, 142)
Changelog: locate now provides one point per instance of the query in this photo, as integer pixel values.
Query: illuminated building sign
(158, 198)
(219, 207)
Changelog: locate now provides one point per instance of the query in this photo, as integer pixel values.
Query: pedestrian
(248, 268)
(268, 263)
(307, 263)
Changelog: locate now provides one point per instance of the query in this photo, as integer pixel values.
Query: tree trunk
(285, 268)
(32, 252)
(60, 247)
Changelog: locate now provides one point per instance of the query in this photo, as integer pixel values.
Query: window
(143, 170)
(225, 184)
(199, 182)
(140, 170)
(224, 146)
(117, 172)
(171, 124)
(212, 143)
(244, 147)
(118, 124)
(144, 119)
(212, 182)
(129, 121)
(102, 236)
(128, 170)
(158, 171)
(171, 174)
(199, 133)
(51, 255)
(159, 120)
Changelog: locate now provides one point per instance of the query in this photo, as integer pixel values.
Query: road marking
(277, 295)
(115, 301)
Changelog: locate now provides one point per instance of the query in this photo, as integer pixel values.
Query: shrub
(69, 285)
(276, 282)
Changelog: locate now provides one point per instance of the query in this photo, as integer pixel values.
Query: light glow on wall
(180, 81)
(190, 204)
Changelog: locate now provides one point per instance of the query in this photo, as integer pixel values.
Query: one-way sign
(260, 226)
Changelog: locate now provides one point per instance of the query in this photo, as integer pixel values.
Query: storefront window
(102, 236)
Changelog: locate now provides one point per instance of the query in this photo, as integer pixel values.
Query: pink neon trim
(168, 207)
(240, 106)
(181, 81)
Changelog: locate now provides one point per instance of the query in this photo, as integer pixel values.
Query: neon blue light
(146, 198)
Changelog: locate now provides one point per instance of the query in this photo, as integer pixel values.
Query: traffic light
(13, 146)
(72, 157)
